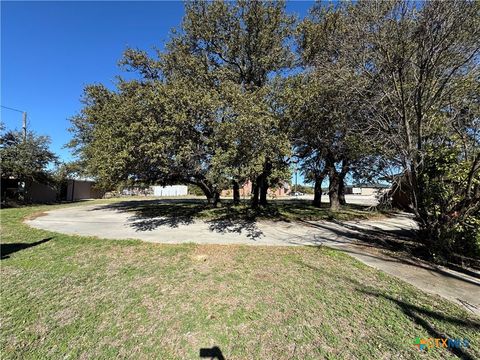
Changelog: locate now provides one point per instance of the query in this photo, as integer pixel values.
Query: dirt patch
(35, 215)
(200, 257)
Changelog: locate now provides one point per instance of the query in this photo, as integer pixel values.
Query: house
(80, 189)
(366, 189)
(41, 193)
(31, 191)
(246, 190)
(281, 190)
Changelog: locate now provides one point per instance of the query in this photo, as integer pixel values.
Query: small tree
(26, 159)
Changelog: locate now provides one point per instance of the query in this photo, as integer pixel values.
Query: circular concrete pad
(134, 220)
(112, 222)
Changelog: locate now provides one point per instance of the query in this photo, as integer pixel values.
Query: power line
(9, 108)
(24, 120)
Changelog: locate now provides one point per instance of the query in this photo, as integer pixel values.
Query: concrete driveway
(363, 240)
(110, 222)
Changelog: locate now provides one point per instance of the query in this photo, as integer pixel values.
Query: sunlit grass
(80, 297)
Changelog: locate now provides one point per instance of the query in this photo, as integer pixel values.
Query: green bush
(448, 207)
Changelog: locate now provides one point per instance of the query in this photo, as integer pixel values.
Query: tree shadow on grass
(395, 240)
(401, 244)
(9, 248)
(211, 353)
(148, 215)
(421, 316)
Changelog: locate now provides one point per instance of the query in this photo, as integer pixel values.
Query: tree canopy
(25, 159)
(203, 112)
(374, 90)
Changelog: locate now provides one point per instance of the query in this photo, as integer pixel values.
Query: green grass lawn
(79, 297)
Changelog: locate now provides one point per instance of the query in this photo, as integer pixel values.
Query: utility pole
(24, 126)
(24, 122)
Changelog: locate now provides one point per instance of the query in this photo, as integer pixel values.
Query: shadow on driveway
(151, 214)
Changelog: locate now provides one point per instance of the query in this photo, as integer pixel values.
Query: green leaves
(25, 159)
(199, 113)
(381, 85)
(243, 42)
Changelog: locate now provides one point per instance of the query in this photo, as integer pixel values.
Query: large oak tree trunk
(333, 190)
(236, 193)
(341, 181)
(212, 195)
(317, 192)
(341, 192)
(215, 198)
(263, 191)
(263, 185)
(334, 182)
(255, 190)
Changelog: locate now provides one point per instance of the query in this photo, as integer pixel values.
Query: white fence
(172, 190)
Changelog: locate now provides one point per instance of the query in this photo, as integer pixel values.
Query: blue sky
(51, 50)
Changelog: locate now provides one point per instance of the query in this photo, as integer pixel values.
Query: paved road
(361, 240)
